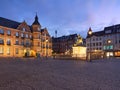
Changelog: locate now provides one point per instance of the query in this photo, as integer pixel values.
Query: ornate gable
(24, 27)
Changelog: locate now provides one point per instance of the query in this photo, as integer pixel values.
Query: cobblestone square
(30, 74)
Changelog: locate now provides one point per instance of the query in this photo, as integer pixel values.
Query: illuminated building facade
(64, 44)
(105, 43)
(19, 39)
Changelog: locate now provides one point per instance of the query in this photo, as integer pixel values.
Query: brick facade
(20, 39)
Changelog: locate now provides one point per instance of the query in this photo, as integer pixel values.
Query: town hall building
(19, 39)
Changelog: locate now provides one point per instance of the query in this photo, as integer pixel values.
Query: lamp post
(46, 46)
(109, 42)
(90, 34)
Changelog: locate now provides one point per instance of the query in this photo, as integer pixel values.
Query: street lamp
(109, 42)
(90, 34)
(46, 52)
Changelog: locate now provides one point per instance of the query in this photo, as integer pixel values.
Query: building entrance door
(27, 52)
(109, 54)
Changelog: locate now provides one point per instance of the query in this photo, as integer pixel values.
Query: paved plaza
(31, 74)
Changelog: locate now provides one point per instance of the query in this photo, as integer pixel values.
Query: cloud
(66, 16)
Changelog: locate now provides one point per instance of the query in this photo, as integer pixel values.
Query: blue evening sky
(65, 16)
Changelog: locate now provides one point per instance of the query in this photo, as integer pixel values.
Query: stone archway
(26, 52)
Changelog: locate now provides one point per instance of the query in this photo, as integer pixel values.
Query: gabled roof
(9, 23)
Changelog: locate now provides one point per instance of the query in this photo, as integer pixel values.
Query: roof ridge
(10, 20)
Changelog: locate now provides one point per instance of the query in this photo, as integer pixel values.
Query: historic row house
(19, 39)
(104, 43)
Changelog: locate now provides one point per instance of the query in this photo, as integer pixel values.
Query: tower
(36, 25)
(36, 33)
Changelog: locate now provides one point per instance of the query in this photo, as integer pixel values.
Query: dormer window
(23, 29)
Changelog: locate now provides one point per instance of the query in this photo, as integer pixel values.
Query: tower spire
(36, 17)
(36, 22)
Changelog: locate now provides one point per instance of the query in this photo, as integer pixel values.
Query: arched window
(24, 29)
(26, 35)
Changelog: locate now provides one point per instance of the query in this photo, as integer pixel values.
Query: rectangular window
(104, 47)
(27, 43)
(16, 51)
(23, 29)
(22, 35)
(22, 43)
(26, 35)
(108, 31)
(1, 50)
(96, 39)
(8, 32)
(17, 42)
(8, 51)
(1, 31)
(100, 43)
(96, 44)
(1, 41)
(111, 46)
(17, 34)
(8, 41)
(107, 47)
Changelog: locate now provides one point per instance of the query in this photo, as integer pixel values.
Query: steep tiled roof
(9, 23)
